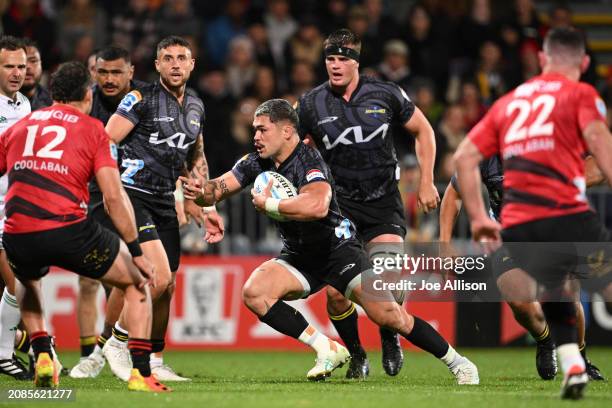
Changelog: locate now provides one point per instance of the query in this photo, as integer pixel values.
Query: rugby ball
(281, 188)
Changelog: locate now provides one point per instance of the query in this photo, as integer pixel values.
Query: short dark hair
(173, 40)
(567, 41)
(70, 82)
(112, 53)
(342, 38)
(10, 43)
(278, 110)
(28, 42)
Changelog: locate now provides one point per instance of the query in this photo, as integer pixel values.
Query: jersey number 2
(46, 151)
(540, 126)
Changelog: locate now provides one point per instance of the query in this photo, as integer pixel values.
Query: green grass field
(252, 379)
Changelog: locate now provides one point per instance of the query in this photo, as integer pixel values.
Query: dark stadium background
(453, 57)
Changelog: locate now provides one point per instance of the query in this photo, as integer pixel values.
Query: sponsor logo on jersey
(375, 110)
(344, 229)
(195, 123)
(601, 107)
(314, 174)
(171, 140)
(130, 100)
(163, 119)
(327, 120)
(357, 133)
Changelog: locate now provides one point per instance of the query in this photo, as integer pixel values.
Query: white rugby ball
(281, 188)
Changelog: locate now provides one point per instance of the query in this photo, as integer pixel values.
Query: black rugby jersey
(102, 109)
(355, 137)
(41, 98)
(305, 165)
(492, 175)
(152, 156)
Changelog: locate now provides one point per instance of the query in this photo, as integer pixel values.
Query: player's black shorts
(555, 253)
(155, 219)
(85, 248)
(339, 268)
(374, 218)
(501, 262)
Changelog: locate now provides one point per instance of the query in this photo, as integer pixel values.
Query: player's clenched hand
(215, 227)
(486, 231)
(428, 197)
(192, 188)
(147, 270)
(259, 199)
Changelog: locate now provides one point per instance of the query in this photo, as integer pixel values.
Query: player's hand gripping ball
(281, 188)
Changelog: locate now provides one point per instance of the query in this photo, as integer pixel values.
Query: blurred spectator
(525, 17)
(264, 85)
(241, 66)
(530, 64)
(472, 104)
(223, 29)
(425, 99)
(452, 128)
(475, 29)
(371, 51)
(177, 18)
(380, 25)
(135, 29)
(259, 36)
(512, 49)
(25, 18)
(281, 27)
(83, 48)
(334, 16)
(218, 142)
(303, 78)
(307, 44)
(394, 66)
(489, 74)
(79, 19)
(38, 95)
(242, 125)
(429, 55)
(91, 63)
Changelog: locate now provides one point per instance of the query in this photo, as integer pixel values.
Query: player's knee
(253, 295)
(336, 302)
(386, 314)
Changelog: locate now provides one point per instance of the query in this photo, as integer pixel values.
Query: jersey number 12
(46, 151)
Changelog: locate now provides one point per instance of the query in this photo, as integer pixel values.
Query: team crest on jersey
(130, 100)
(3, 119)
(314, 174)
(601, 107)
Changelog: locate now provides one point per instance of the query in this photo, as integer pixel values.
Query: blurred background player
(38, 96)
(350, 119)
(13, 106)
(113, 80)
(319, 246)
(50, 157)
(542, 131)
(159, 128)
(527, 314)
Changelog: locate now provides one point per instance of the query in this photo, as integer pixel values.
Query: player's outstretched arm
(118, 127)
(426, 155)
(467, 158)
(599, 140)
(449, 210)
(212, 191)
(311, 203)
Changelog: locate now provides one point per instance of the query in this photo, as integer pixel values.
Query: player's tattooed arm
(211, 191)
(196, 161)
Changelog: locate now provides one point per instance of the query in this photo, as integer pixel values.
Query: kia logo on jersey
(357, 133)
